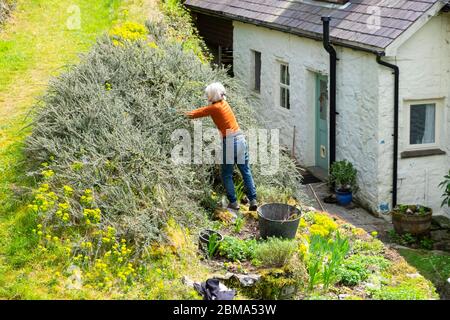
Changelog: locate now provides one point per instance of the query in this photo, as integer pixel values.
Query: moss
(274, 284)
(404, 283)
(368, 247)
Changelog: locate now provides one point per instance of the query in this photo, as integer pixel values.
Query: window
(257, 71)
(422, 124)
(284, 86)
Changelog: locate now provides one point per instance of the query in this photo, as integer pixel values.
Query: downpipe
(396, 72)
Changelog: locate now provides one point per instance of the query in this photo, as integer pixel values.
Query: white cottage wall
(424, 62)
(357, 97)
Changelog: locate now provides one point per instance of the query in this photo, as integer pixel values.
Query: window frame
(437, 124)
(284, 86)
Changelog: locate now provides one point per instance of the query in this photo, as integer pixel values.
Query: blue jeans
(235, 151)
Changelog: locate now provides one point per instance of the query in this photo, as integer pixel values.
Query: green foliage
(343, 176)
(324, 258)
(445, 184)
(426, 243)
(213, 245)
(239, 224)
(209, 201)
(240, 191)
(236, 249)
(273, 194)
(368, 247)
(410, 289)
(275, 252)
(411, 209)
(357, 268)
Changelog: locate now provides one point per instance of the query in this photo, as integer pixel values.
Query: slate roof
(349, 22)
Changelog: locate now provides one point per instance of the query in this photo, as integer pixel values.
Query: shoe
(253, 205)
(244, 200)
(234, 205)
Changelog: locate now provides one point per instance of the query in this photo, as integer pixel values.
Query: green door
(322, 122)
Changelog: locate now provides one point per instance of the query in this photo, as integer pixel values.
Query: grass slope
(34, 46)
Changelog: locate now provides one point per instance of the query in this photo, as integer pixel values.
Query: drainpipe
(396, 72)
(333, 59)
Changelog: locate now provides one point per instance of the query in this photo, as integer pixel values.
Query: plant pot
(203, 239)
(275, 220)
(413, 224)
(344, 198)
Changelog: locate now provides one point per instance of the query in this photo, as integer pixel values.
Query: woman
(235, 149)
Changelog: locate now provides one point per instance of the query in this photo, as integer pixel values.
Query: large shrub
(106, 125)
(6, 7)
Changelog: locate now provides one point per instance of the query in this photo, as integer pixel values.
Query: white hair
(215, 92)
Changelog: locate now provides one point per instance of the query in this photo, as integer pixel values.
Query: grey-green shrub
(275, 252)
(6, 6)
(106, 124)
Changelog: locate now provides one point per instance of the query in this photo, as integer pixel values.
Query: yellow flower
(319, 230)
(68, 191)
(374, 234)
(303, 249)
(303, 223)
(47, 173)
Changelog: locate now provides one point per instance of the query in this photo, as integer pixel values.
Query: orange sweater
(221, 114)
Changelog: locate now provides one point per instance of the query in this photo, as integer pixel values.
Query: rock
(442, 221)
(246, 280)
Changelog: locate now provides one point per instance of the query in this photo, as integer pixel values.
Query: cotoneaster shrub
(106, 125)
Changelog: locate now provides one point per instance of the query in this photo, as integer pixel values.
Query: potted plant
(209, 241)
(343, 178)
(412, 219)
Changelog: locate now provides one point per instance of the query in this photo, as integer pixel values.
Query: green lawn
(36, 45)
(433, 266)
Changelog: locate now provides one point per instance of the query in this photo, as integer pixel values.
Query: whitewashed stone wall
(357, 97)
(424, 62)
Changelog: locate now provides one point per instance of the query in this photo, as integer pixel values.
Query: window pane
(257, 71)
(283, 74)
(422, 124)
(283, 97)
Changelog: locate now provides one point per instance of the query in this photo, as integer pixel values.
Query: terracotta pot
(412, 224)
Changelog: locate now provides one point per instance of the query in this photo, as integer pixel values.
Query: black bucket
(203, 239)
(275, 220)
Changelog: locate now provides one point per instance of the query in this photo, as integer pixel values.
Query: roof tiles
(355, 23)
